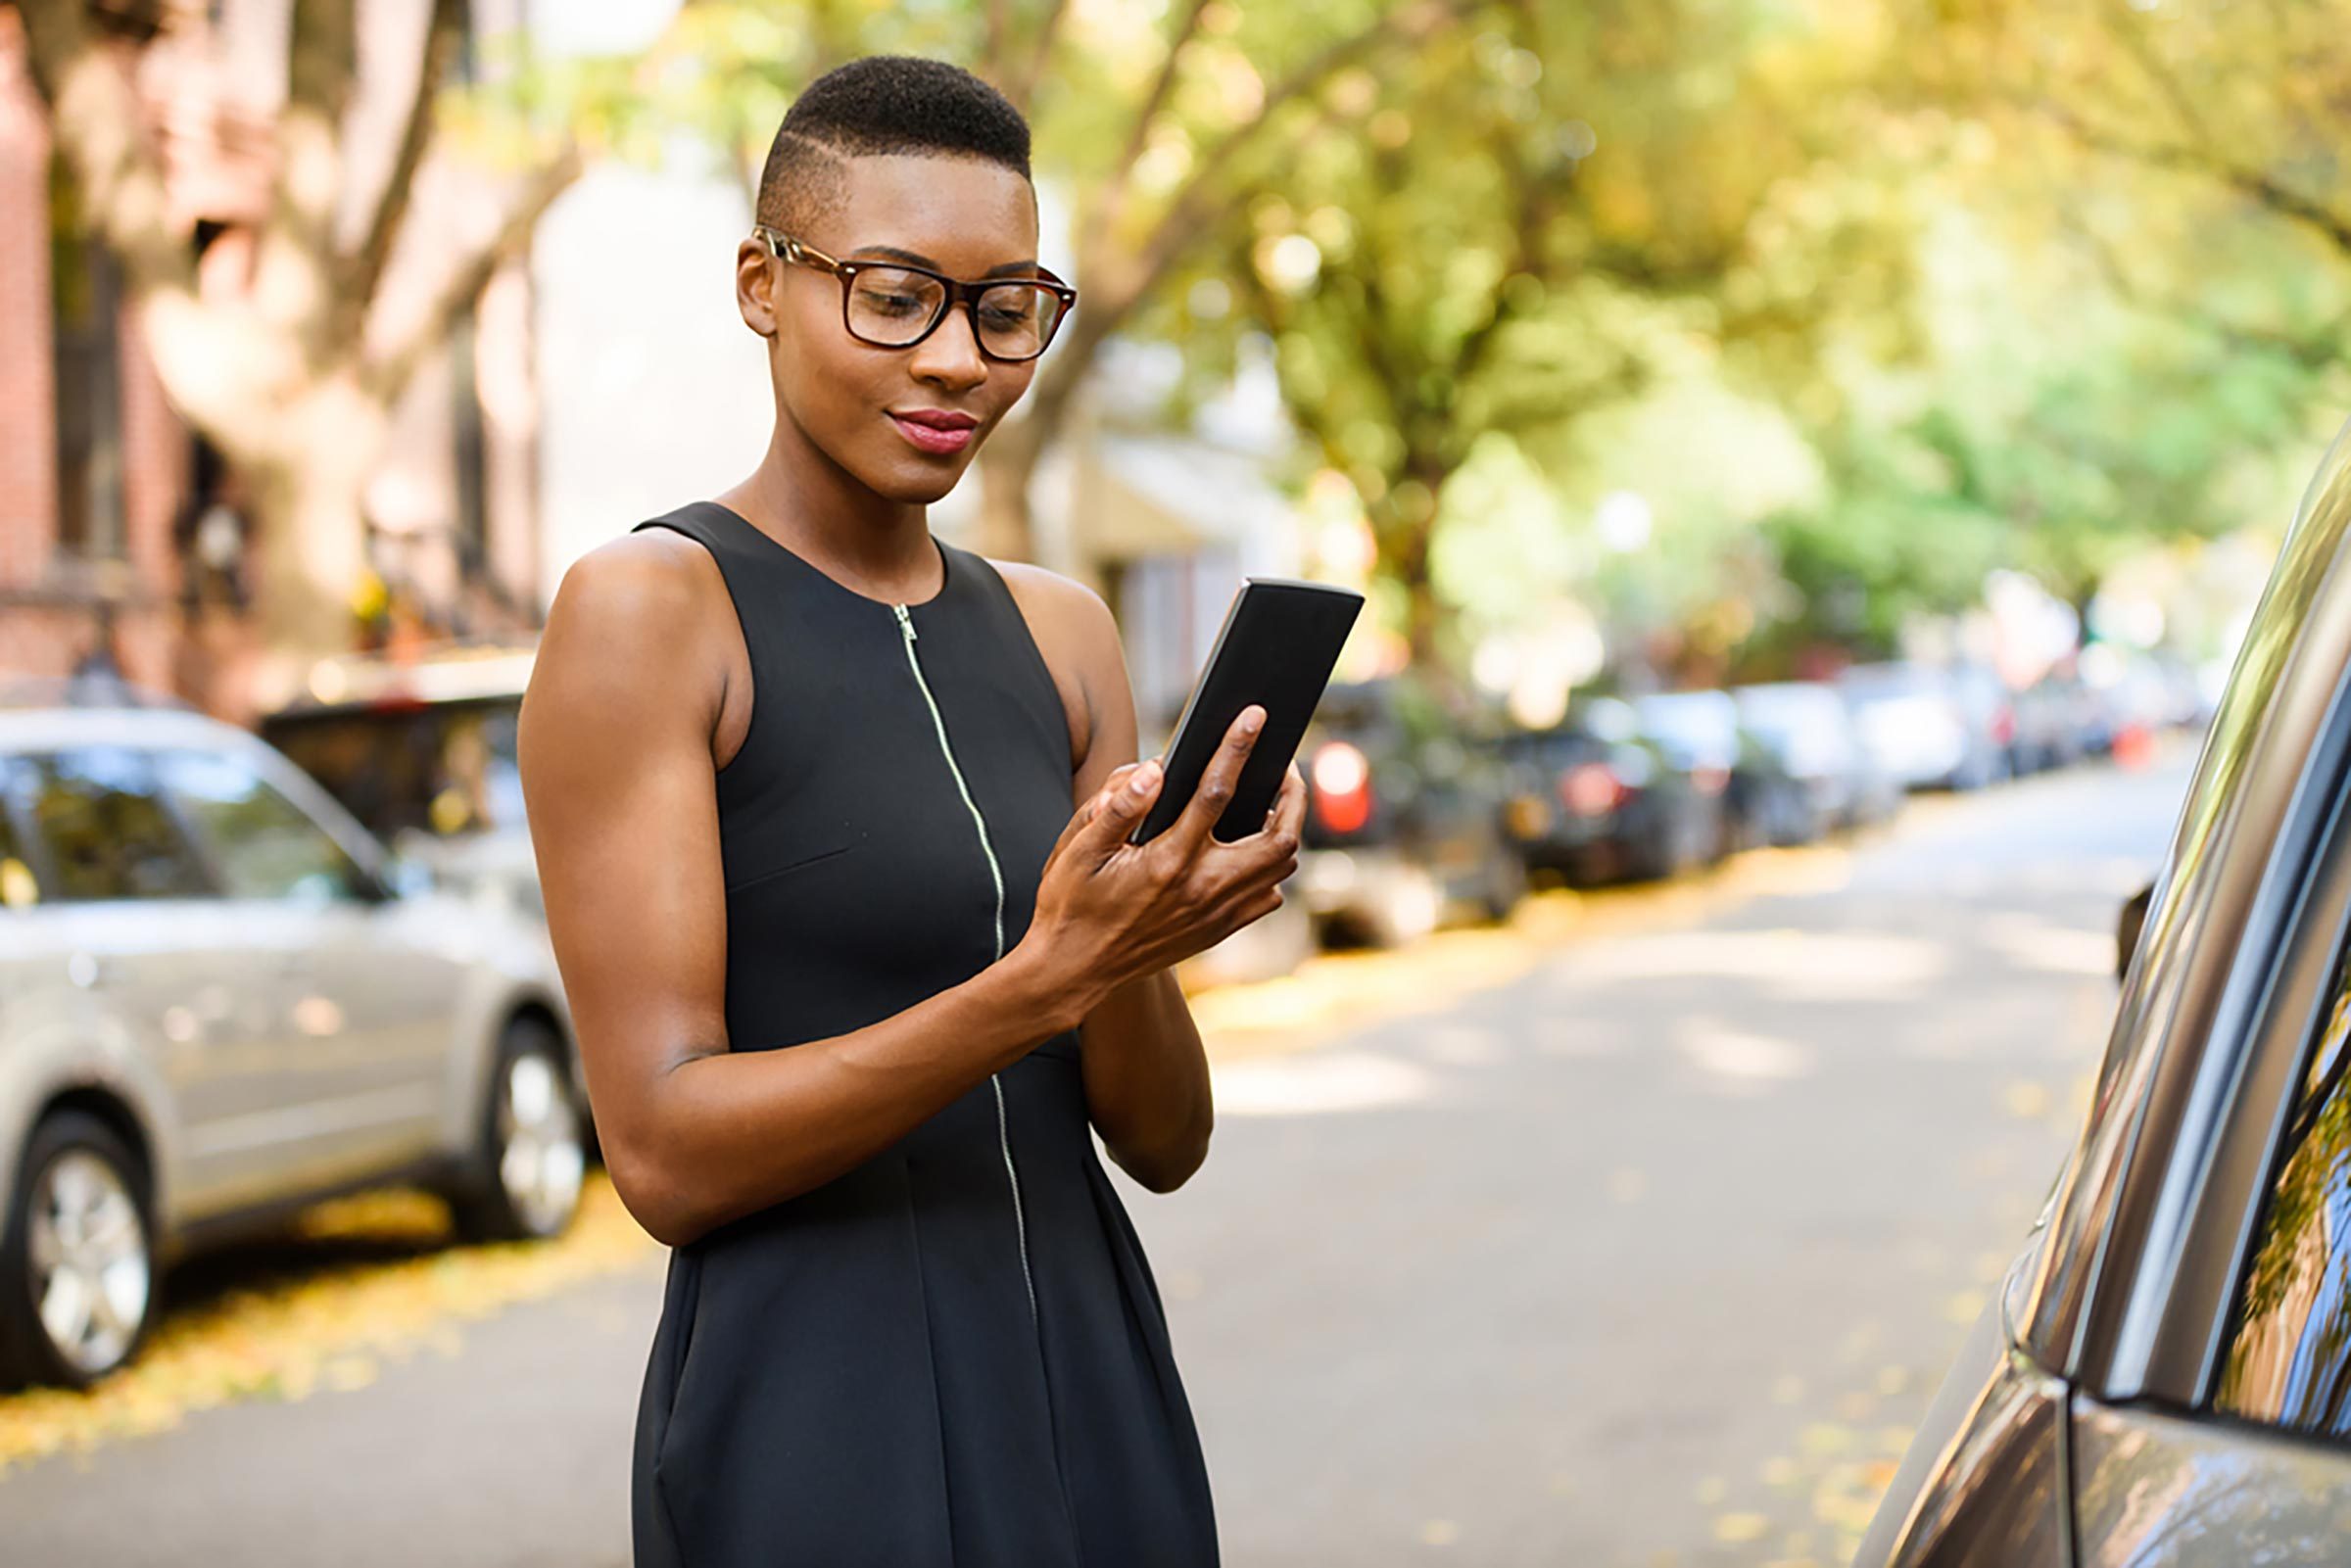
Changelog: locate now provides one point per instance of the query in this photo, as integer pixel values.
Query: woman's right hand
(1108, 911)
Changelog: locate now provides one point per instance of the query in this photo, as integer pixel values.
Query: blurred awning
(1142, 495)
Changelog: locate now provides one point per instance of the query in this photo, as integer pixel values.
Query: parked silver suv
(221, 999)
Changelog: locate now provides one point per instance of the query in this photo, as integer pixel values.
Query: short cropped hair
(882, 104)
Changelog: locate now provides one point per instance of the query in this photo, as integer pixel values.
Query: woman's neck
(823, 512)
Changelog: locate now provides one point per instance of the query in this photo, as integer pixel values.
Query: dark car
(1763, 801)
(1615, 804)
(1404, 824)
(2165, 1375)
(423, 753)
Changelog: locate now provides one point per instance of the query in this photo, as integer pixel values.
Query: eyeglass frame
(958, 291)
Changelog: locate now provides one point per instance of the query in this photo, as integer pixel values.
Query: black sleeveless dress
(954, 1355)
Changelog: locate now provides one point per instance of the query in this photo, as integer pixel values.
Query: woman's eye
(891, 304)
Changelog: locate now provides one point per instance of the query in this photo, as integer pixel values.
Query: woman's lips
(930, 439)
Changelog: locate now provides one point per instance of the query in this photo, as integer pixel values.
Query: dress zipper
(1003, 1125)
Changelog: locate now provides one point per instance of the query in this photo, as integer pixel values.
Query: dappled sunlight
(2031, 942)
(1740, 1062)
(359, 1283)
(1324, 1082)
(1784, 962)
(1815, 869)
(1464, 1045)
(1578, 1036)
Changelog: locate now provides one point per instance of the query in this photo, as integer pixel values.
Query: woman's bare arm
(1146, 1072)
(615, 748)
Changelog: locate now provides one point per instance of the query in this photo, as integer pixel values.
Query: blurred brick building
(121, 530)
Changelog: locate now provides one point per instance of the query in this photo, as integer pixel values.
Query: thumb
(1121, 807)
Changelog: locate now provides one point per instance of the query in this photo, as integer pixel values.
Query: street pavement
(1650, 1254)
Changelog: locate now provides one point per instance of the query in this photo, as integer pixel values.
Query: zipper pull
(905, 620)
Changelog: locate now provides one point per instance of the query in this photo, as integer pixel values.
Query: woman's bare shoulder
(1078, 639)
(634, 628)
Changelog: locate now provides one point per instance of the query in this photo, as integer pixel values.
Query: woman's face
(963, 217)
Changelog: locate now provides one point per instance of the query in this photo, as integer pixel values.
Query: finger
(1118, 777)
(1217, 782)
(1283, 826)
(1078, 819)
(1293, 786)
(1100, 835)
(1289, 807)
(1093, 803)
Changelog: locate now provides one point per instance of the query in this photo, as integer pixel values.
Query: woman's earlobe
(753, 283)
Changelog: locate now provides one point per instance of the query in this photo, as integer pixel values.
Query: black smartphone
(1277, 648)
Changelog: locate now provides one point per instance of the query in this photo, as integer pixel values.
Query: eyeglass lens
(890, 308)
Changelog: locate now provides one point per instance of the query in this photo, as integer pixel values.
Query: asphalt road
(1649, 1256)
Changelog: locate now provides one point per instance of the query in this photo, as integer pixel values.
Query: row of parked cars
(246, 972)
(1418, 818)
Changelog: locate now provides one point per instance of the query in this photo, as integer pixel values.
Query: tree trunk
(310, 545)
(1007, 463)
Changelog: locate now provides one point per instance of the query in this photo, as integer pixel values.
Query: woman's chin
(917, 484)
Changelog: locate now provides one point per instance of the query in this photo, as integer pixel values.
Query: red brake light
(1342, 780)
(1590, 788)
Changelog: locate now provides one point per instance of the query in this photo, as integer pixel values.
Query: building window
(86, 308)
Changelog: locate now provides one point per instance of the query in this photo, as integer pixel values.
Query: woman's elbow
(647, 1189)
(1164, 1170)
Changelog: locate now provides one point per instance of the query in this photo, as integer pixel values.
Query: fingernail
(1251, 723)
(1142, 781)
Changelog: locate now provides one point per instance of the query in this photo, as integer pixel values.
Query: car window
(2288, 1357)
(19, 886)
(107, 830)
(448, 770)
(266, 845)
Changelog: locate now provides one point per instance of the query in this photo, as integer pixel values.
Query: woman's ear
(756, 287)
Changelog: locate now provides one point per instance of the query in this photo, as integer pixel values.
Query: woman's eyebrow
(918, 259)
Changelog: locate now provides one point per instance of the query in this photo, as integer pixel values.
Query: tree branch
(1022, 88)
(1139, 133)
(1004, 61)
(387, 373)
(1209, 212)
(1532, 212)
(2313, 350)
(364, 268)
(95, 117)
(1180, 224)
(2261, 188)
(321, 59)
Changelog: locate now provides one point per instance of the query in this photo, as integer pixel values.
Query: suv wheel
(76, 1257)
(532, 1153)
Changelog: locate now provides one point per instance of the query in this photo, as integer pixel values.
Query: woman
(801, 775)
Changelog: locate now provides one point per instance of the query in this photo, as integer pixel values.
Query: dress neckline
(946, 564)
